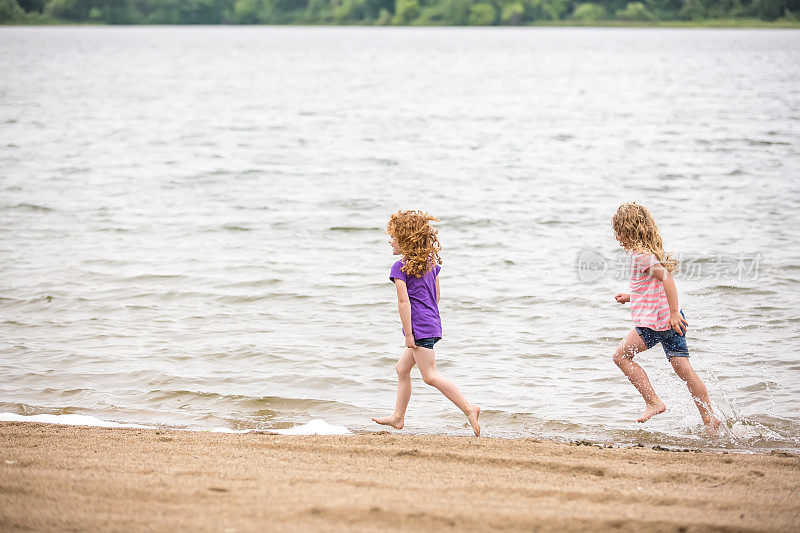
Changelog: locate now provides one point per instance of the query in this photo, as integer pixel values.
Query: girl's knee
(681, 367)
(429, 378)
(621, 358)
(402, 369)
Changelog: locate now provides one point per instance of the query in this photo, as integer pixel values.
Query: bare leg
(403, 368)
(697, 389)
(426, 360)
(623, 357)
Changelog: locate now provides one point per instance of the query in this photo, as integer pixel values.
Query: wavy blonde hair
(635, 228)
(417, 240)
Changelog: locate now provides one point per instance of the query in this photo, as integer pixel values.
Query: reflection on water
(192, 223)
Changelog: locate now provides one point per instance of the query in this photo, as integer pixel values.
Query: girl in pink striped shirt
(656, 315)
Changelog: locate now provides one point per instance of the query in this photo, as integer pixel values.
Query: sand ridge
(60, 477)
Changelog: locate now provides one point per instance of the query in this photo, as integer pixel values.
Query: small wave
(29, 207)
(383, 161)
(249, 283)
(152, 277)
(235, 227)
(115, 230)
(759, 142)
(761, 386)
(353, 228)
(731, 290)
(242, 299)
(234, 299)
(463, 221)
(245, 402)
(173, 295)
(749, 142)
(67, 420)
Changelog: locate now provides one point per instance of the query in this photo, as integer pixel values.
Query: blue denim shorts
(674, 343)
(428, 342)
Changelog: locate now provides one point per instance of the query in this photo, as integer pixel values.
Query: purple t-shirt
(425, 320)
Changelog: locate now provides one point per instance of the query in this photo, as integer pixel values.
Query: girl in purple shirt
(416, 279)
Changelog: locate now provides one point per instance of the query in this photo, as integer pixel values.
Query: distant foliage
(406, 12)
(589, 12)
(385, 12)
(769, 9)
(482, 14)
(10, 11)
(635, 11)
(513, 13)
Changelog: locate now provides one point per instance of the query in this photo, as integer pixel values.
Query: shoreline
(729, 23)
(80, 477)
(318, 427)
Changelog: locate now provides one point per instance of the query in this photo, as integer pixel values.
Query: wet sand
(77, 478)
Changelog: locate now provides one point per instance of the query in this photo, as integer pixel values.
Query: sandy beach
(82, 478)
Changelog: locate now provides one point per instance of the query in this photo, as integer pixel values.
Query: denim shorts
(428, 342)
(674, 343)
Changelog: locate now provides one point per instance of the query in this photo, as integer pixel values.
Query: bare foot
(651, 411)
(712, 428)
(472, 416)
(396, 423)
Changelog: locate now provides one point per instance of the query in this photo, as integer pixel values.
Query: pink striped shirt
(649, 307)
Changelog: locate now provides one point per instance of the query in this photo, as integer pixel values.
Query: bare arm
(438, 292)
(404, 308)
(676, 320)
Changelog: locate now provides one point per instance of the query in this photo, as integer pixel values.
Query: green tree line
(388, 12)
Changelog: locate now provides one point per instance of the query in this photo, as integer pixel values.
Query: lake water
(192, 223)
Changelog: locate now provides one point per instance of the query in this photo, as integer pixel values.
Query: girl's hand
(410, 343)
(677, 322)
(622, 298)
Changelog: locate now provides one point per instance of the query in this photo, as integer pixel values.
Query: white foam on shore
(314, 427)
(67, 420)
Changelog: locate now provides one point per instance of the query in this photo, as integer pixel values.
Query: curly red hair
(417, 240)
